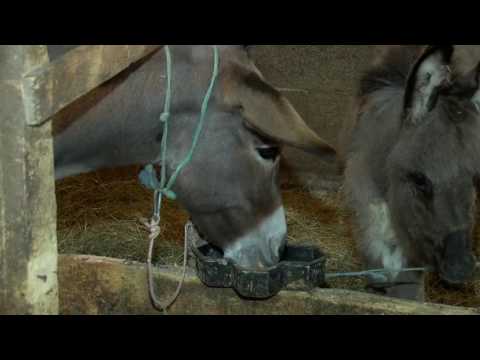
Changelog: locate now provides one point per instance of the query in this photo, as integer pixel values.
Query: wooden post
(28, 246)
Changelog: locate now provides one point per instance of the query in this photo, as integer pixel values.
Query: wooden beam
(101, 286)
(51, 88)
(28, 246)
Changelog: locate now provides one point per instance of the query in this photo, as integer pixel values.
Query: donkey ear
(428, 76)
(271, 114)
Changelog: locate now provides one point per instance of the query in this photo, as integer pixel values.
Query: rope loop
(169, 194)
(163, 188)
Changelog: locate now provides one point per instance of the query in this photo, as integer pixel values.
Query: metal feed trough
(305, 265)
(35, 280)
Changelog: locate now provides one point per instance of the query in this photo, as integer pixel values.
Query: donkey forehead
(442, 147)
(448, 174)
(455, 119)
(444, 171)
(236, 66)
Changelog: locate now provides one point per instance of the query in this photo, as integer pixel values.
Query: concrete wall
(323, 79)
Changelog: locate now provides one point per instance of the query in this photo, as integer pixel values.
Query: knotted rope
(163, 188)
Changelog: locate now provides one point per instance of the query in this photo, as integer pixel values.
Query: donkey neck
(119, 123)
(116, 125)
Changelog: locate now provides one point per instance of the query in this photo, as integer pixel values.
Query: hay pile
(99, 214)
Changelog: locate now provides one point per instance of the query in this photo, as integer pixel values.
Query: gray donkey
(412, 158)
(231, 189)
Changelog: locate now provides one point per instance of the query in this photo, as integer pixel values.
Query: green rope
(380, 275)
(163, 188)
(148, 177)
(167, 190)
(164, 118)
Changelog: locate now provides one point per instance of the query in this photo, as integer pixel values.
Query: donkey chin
(456, 262)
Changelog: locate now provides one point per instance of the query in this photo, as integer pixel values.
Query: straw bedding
(99, 214)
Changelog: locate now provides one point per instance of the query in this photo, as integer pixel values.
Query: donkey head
(434, 167)
(231, 187)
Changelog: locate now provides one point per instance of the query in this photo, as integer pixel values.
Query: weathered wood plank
(28, 247)
(52, 88)
(102, 286)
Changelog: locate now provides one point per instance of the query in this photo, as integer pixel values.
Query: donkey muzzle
(458, 263)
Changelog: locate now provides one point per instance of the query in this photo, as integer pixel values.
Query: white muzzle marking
(261, 247)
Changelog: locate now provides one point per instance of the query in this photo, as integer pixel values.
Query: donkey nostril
(457, 263)
(459, 271)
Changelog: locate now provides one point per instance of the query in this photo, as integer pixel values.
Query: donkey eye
(457, 111)
(421, 183)
(270, 153)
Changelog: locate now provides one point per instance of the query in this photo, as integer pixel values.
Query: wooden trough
(33, 278)
(94, 285)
